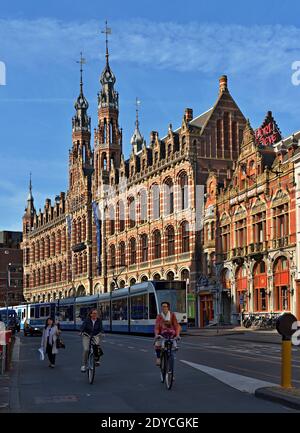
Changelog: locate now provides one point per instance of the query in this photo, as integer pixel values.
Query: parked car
(31, 330)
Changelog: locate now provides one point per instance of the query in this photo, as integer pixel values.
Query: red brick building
(250, 231)
(128, 220)
(11, 268)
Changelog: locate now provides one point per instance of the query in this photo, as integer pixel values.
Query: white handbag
(42, 356)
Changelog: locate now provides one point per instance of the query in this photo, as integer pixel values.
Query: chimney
(188, 114)
(223, 84)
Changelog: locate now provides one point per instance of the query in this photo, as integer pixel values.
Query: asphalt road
(128, 381)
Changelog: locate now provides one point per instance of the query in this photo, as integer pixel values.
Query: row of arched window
(145, 208)
(47, 247)
(53, 273)
(151, 247)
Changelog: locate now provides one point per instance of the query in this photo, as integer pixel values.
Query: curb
(213, 334)
(256, 341)
(277, 395)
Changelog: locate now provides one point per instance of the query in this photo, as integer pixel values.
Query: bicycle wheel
(169, 370)
(91, 368)
(162, 367)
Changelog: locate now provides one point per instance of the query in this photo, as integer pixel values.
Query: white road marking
(237, 381)
(130, 347)
(143, 350)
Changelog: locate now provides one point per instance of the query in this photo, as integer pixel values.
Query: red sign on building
(269, 132)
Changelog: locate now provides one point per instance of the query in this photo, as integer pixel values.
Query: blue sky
(170, 54)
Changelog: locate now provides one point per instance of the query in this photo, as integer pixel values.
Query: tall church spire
(108, 136)
(137, 140)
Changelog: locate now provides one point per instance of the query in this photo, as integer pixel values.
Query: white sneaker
(83, 369)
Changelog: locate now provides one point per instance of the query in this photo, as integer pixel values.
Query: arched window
(122, 284)
(42, 249)
(185, 276)
(185, 237)
(132, 281)
(112, 257)
(183, 184)
(169, 197)
(78, 240)
(59, 272)
(156, 244)
(132, 251)
(282, 284)
(111, 220)
(183, 143)
(155, 202)
(170, 276)
(121, 216)
(260, 287)
(58, 242)
(144, 247)
(37, 251)
(131, 208)
(122, 254)
(54, 273)
(144, 278)
(143, 204)
(156, 277)
(170, 241)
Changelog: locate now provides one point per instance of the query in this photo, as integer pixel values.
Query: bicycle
(167, 358)
(94, 353)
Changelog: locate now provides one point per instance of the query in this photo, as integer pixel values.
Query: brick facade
(124, 221)
(249, 257)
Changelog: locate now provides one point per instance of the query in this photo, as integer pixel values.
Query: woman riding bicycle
(167, 326)
(92, 326)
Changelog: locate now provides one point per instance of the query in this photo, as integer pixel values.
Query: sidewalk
(287, 397)
(7, 380)
(238, 332)
(4, 393)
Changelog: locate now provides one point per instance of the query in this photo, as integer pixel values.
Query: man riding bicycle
(92, 326)
(166, 325)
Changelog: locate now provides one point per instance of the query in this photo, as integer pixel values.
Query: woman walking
(50, 334)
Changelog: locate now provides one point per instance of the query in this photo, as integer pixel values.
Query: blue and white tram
(134, 309)
(128, 310)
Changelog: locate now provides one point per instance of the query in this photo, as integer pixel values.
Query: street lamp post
(7, 291)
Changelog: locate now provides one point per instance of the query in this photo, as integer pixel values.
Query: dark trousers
(51, 356)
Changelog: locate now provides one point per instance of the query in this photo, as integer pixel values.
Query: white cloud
(168, 45)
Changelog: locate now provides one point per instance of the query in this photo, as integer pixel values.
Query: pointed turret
(28, 218)
(137, 139)
(81, 121)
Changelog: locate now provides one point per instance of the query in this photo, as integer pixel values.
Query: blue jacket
(88, 328)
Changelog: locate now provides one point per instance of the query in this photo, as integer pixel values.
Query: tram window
(119, 309)
(83, 310)
(42, 312)
(152, 306)
(47, 311)
(66, 313)
(176, 298)
(32, 312)
(104, 310)
(139, 307)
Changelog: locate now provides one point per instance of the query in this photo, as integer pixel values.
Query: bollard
(286, 363)
(284, 327)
